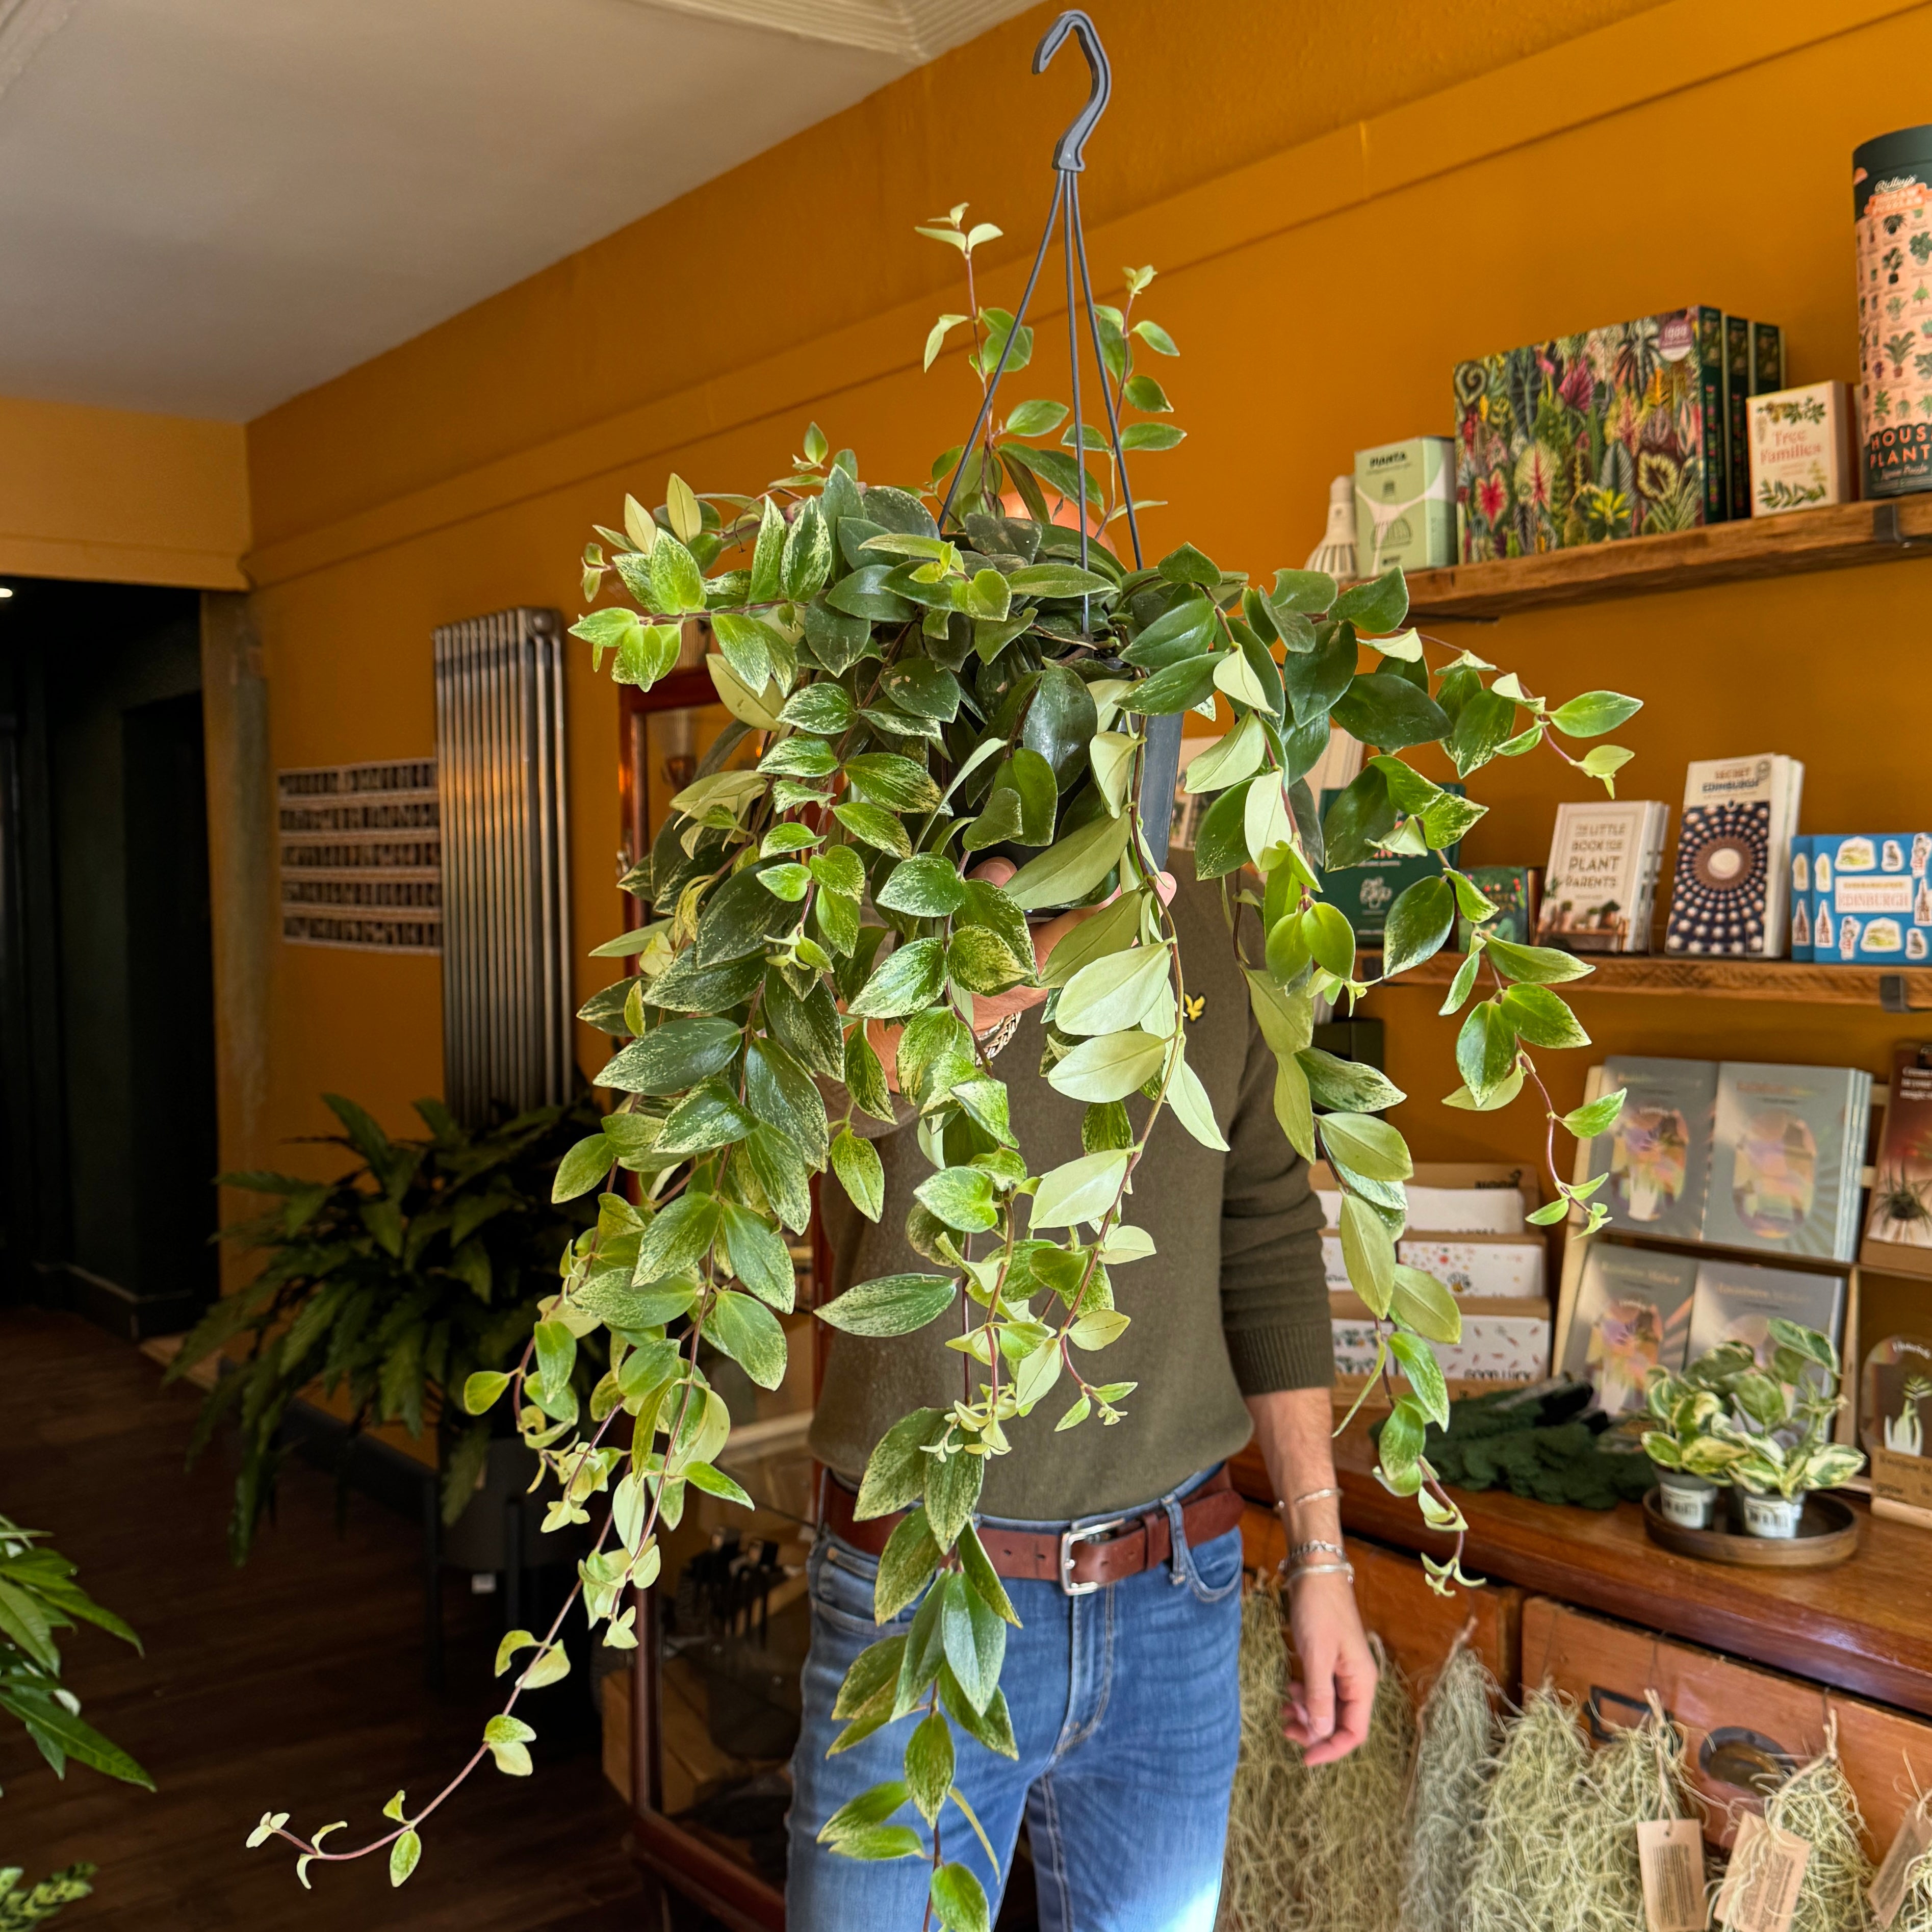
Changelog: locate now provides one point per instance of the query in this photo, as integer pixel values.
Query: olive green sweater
(1233, 1302)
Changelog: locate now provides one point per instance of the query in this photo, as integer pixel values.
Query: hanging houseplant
(924, 676)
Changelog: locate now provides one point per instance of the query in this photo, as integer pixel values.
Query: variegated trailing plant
(906, 698)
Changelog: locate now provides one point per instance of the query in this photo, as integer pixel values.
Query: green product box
(1365, 893)
(1406, 504)
(1516, 892)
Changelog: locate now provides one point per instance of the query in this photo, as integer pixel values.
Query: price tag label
(1670, 1854)
(1913, 1841)
(1759, 1893)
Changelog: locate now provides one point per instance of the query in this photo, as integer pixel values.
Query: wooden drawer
(1417, 1626)
(1734, 1715)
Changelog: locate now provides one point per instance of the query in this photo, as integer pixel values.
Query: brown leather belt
(1080, 1561)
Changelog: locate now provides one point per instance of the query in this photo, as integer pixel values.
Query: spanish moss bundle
(1454, 1761)
(1636, 1777)
(1320, 1850)
(1517, 1884)
(1818, 1804)
(1914, 1909)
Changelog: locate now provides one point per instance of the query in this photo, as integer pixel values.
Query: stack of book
(1862, 899)
(1738, 1153)
(1639, 1309)
(1727, 899)
(1467, 1228)
(1601, 883)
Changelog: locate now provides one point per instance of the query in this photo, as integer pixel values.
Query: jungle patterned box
(1618, 432)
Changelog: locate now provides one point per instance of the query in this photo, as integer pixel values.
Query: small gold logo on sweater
(1193, 1004)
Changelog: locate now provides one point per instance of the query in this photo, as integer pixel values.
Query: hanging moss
(1319, 1850)
(1517, 1883)
(1453, 1761)
(1818, 1804)
(1637, 1777)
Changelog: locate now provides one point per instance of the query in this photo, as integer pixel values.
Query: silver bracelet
(1312, 1496)
(1295, 1575)
(996, 1037)
(1306, 1549)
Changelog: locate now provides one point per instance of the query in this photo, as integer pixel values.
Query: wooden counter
(1865, 1627)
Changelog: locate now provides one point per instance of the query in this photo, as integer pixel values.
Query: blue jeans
(1126, 1710)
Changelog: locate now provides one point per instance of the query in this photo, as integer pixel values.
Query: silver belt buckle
(1068, 1538)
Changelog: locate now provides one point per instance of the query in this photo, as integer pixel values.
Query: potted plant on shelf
(1692, 1460)
(391, 1284)
(1780, 1422)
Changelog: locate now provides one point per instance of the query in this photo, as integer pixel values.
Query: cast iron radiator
(507, 1010)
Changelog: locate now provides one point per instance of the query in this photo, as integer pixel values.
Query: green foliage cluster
(422, 1264)
(23, 1906)
(918, 681)
(1768, 1432)
(38, 1596)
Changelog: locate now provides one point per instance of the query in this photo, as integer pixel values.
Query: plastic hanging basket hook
(1068, 157)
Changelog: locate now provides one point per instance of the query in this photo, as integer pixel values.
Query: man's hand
(1328, 1703)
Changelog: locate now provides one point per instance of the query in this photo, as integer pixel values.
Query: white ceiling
(207, 206)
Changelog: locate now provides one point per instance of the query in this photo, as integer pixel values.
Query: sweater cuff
(1296, 1355)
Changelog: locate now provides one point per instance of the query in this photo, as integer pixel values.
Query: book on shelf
(1737, 416)
(1476, 1267)
(1727, 896)
(1657, 1153)
(1632, 1315)
(1601, 881)
(1871, 898)
(1786, 1153)
(1898, 1230)
(1516, 893)
(1734, 1301)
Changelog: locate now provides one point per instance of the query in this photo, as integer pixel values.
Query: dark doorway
(107, 1123)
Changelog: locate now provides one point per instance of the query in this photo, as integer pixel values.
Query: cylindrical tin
(1892, 201)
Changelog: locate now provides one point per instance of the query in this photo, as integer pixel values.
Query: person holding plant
(1119, 1549)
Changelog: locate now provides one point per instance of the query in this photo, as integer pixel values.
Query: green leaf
(482, 1391)
(709, 1116)
(1542, 1018)
(1151, 435)
(1368, 1251)
(1485, 1050)
(875, 825)
(922, 688)
(896, 1471)
(748, 1332)
(974, 1635)
(1071, 869)
(893, 1304)
(1109, 930)
(1058, 580)
(806, 559)
(1079, 1190)
(929, 1765)
(1114, 991)
(874, 1669)
(1461, 986)
(981, 961)
(1594, 713)
(1425, 1374)
(885, 779)
(1144, 393)
(677, 583)
(406, 1854)
(1597, 1117)
(1483, 727)
(1418, 925)
(981, 1575)
(855, 1162)
(1156, 337)
(1109, 1067)
(910, 980)
(1035, 418)
(870, 1808)
(906, 1566)
(1350, 1085)
(1330, 938)
(507, 1737)
(958, 1900)
(1187, 631)
(1180, 687)
(882, 1841)
(961, 1197)
(1376, 608)
(1370, 1146)
(765, 557)
(1310, 591)
(677, 1238)
(1536, 965)
(1220, 844)
(1386, 710)
(952, 1490)
(924, 887)
(1191, 1107)
(1422, 1302)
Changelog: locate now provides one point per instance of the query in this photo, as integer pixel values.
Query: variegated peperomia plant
(907, 695)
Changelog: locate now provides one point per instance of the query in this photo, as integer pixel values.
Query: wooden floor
(295, 1683)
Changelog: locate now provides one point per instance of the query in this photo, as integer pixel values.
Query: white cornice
(913, 31)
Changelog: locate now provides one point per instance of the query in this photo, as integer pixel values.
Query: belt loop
(1177, 1558)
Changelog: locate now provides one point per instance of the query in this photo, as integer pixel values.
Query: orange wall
(1321, 273)
(116, 496)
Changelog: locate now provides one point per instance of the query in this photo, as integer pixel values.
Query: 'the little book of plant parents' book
(1657, 1155)
(1785, 1159)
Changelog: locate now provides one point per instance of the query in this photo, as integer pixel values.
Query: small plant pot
(1689, 1501)
(1770, 1516)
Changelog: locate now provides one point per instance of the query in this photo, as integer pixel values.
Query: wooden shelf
(1865, 1628)
(1799, 541)
(1792, 982)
